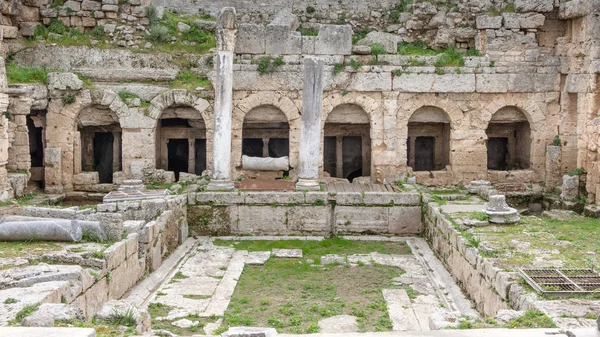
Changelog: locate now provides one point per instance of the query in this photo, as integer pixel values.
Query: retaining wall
(488, 287)
(297, 213)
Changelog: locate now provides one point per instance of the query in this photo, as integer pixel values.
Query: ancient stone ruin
(143, 140)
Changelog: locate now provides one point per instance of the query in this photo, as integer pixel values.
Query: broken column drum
(499, 212)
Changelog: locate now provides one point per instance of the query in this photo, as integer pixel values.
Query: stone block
(219, 198)
(64, 81)
(115, 255)
(269, 198)
(251, 39)
(531, 20)
(86, 178)
(580, 83)
(308, 45)
(316, 197)
(271, 220)
(90, 5)
(522, 6)
(309, 220)
(570, 188)
(405, 220)
(370, 82)
(95, 297)
(18, 182)
(354, 220)
(414, 82)
(488, 22)
(454, 83)
(391, 198)
(388, 41)
(334, 40)
(73, 5)
(28, 28)
(10, 32)
(511, 20)
(576, 8)
(110, 8)
(491, 83)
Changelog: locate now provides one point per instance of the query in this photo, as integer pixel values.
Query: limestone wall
(296, 213)
(488, 287)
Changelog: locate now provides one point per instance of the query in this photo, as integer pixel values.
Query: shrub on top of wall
(68, 99)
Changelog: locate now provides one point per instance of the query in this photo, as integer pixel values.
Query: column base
(307, 185)
(220, 185)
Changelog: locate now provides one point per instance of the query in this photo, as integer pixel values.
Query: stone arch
(428, 139)
(533, 112)
(265, 99)
(414, 103)
(98, 146)
(333, 141)
(409, 104)
(62, 132)
(509, 139)
(193, 142)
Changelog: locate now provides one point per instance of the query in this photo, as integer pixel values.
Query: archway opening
(509, 140)
(181, 141)
(347, 143)
(428, 143)
(265, 133)
(100, 142)
(36, 125)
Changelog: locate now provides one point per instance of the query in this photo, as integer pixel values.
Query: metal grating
(562, 282)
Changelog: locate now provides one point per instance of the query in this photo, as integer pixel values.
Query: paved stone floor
(203, 282)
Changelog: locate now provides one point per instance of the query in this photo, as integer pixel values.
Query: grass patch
(10, 300)
(26, 311)
(27, 248)
(269, 64)
(377, 49)
(450, 58)
(187, 79)
(17, 74)
(292, 297)
(417, 48)
(532, 319)
(315, 249)
(308, 31)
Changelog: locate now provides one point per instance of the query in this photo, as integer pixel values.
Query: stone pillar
(77, 152)
(221, 164)
(53, 170)
(310, 127)
(191, 155)
(553, 166)
(18, 151)
(117, 152)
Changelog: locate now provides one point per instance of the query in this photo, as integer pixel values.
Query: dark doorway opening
(424, 153)
(36, 145)
(279, 147)
(497, 151)
(200, 146)
(252, 147)
(352, 157)
(103, 156)
(178, 156)
(329, 155)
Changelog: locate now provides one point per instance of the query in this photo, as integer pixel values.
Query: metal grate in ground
(562, 282)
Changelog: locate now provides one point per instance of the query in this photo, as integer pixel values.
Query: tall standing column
(221, 170)
(310, 126)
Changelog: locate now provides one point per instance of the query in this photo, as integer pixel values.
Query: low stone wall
(488, 287)
(297, 213)
(159, 228)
